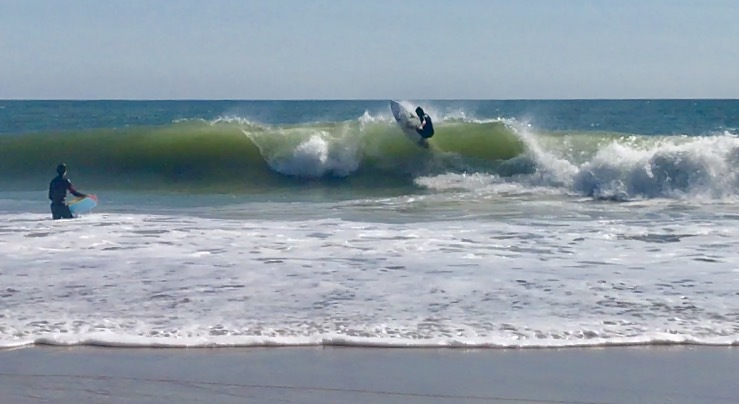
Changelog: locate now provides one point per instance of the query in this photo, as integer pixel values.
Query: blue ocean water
(646, 117)
(241, 223)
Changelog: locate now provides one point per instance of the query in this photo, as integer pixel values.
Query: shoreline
(676, 374)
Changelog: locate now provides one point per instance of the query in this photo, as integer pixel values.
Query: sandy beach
(343, 375)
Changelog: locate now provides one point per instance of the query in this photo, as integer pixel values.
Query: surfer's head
(419, 112)
(61, 168)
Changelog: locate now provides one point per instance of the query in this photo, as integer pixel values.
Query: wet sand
(685, 374)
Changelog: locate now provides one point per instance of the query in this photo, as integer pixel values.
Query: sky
(368, 49)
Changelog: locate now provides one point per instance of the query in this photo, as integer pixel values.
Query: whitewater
(539, 224)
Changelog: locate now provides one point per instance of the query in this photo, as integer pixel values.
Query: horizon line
(364, 99)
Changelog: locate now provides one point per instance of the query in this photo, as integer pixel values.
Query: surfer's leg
(66, 213)
(60, 211)
(55, 212)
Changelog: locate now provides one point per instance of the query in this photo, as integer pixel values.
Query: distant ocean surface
(280, 223)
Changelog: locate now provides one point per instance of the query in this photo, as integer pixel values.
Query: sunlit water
(582, 239)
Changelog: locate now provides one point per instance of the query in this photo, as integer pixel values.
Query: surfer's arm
(73, 191)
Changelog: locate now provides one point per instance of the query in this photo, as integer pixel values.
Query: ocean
(544, 224)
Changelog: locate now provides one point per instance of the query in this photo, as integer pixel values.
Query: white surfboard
(408, 122)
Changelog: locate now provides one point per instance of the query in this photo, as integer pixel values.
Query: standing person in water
(58, 192)
(426, 128)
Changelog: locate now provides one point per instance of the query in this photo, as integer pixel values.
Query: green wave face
(227, 156)
(373, 155)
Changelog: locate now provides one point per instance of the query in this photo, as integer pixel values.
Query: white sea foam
(309, 152)
(692, 167)
(552, 272)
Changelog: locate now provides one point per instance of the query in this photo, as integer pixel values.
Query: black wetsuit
(428, 128)
(57, 193)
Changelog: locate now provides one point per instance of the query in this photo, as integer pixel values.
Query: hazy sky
(368, 49)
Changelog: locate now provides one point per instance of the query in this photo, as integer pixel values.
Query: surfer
(426, 128)
(58, 192)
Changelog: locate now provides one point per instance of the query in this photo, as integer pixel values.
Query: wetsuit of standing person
(426, 128)
(58, 192)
